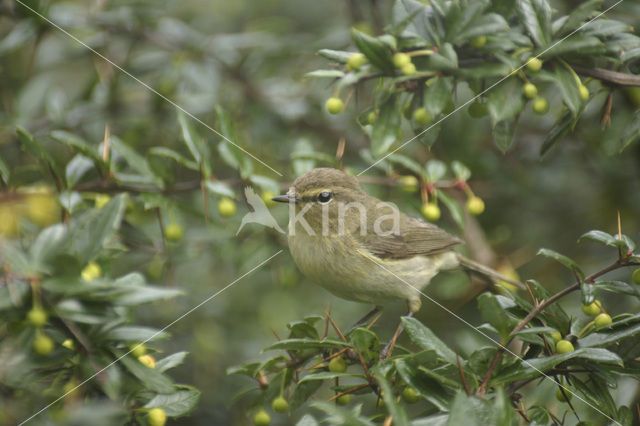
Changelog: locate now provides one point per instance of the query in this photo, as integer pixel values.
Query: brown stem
(613, 77)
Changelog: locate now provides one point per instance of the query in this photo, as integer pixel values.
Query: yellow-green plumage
(348, 257)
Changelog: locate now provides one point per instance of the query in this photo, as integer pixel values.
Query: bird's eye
(324, 197)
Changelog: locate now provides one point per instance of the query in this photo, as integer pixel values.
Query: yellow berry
(556, 336)
(343, 399)
(410, 395)
(401, 59)
(101, 200)
(9, 219)
(91, 272)
(42, 344)
(421, 116)
(334, 105)
(371, 117)
(173, 232)
(37, 317)
(68, 343)
(226, 207)
(564, 346)
(261, 418)
(280, 405)
(356, 61)
(267, 198)
(563, 396)
(71, 390)
(540, 105)
(147, 360)
(431, 211)
(636, 276)
(409, 183)
(475, 205)
(156, 417)
(534, 64)
(137, 349)
(602, 320)
(584, 92)
(478, 41)
(530, 91)
(42, 208)
(337, 365)
(408, 69)
(591, 309)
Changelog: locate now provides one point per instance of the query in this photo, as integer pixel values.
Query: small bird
(363, 249)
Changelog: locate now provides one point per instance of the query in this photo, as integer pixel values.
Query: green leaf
(424, 338)
(579, 15)
(562, 259)
(559, 129)
(535, 15)
(171, 361)
(137, 162)
(461, 171)
(385, 128)
(594, 340)
(327, 375)
(95, 229)
(325, 74)
(577, 44)
(76, 169)
(34, 148)
(435, 170)
(446, 59)
(176, 404)
(152, 379)
(340, 56)
(80, 146)
(631, 132)
(303, 392)
(300, 163)
(219, 188)
(396, 410)
(366, 343)
(5, 174)
(505, 101)
(486, 24)
(461, 16)
(598, 236)
(492, 312)
(567, 85)
(438, 95)
(429, 389)
(531, 368)
(408, 163)
(161, 151)
(135, 333)
(265, 183)
(619, 287)
(503, 134)
(342, 416)
(455, 209)
(48, 244)
(377, 52)
(470, 411)
(303, 344)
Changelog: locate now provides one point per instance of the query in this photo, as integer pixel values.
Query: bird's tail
(492, 274)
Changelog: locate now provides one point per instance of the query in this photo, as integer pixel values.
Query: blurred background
(251, 58)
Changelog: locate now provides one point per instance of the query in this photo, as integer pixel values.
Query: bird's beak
(286, 198)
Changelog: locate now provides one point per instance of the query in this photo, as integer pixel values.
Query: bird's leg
(386, 352)
(365, 319)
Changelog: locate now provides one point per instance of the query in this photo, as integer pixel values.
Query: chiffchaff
(361, 248)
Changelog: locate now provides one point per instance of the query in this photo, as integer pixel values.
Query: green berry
(280, 405)
(410, 395)
(602, 320)
(475, 205)
(401, 59)
(261, 418)
(408, 69)
(101, 200)
(344, 399)
(530, 91)
(584, 92)
(37, 317)
(564, 346)
(137, 349)
(409, 183)
(156, 417)
(334, 105)
(226, 207)
(356, 61)
(534, 64)
(267, 198)
(371, 117)
(43, 345)
(556, 336)
(68, 343)
(540, 105)
(174, 232)
(591, 310)
(431, 211)
(563, 396)
(337, 365)
(478, 41)
(91, 272)
(422, 117)
(478, 109)
(636, 276)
